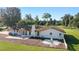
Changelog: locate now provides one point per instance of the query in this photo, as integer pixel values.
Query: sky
(56, 12)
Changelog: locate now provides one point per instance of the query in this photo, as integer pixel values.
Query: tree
(36, 20)
(51, 21)
(21, 23)
(70, 21)
(59, 22)
(54, 22)
(2, 12)
(67, 19)
(76, 20)
(42, 22)
(11, 16)
(46, 16)
(24, 25)
(28, 17)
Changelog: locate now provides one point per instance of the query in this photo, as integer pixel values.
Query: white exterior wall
(55, 34)
(27, 33)
(45, 33)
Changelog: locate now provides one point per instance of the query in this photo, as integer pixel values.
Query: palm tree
(46, 16)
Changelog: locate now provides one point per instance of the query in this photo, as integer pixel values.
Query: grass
(7, 46)
(72, 38)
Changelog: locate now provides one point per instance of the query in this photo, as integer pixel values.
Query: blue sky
(56, 12)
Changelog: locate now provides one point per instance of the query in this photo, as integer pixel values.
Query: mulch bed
(32, 42)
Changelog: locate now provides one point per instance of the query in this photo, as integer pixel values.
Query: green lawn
(72, 39)
(7, 46)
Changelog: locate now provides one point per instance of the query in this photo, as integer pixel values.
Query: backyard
(72, 38)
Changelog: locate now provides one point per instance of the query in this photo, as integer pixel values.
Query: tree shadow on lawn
(70, 41)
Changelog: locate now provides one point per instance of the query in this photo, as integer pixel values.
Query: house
(42, 31)
(51, 33)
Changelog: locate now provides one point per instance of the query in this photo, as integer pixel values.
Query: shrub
(1, 29)
(13, 34)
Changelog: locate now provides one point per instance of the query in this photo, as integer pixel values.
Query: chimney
(33, 30)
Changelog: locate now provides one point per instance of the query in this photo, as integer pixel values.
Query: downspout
(65, 43)
(51, 39)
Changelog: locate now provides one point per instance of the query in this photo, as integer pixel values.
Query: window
(50, 33)
(29, 33)
(23, 32)
(26, 33)
(38, 33)
(59, 34)
(35, 30)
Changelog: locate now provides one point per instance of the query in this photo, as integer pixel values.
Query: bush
(1, 29)
(41, 38)
(13, 34)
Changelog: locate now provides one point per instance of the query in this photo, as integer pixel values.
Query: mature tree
(67, 19)
(59, 22)
(54, 22)
(50, 21)
(2, 14)
(11, 16)
(42, 22)
(28, 17)
(46, 16)
(1, 17)
(22, 24)
(76, 20)
(36, 20)
(71, 21)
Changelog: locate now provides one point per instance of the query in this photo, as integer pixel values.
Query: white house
(43, 32)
